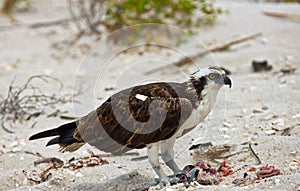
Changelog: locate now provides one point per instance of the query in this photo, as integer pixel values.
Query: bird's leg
(154, 161)
(167, 153)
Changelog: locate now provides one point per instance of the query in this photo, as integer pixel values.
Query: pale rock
(16, 149)
(268, 117)
(289, 57)
(79, 174)
(285, 114)
(294, 165)
(264, 40)
(227, 124)
(296, 116)
(223, 129)
(278, 121)
(14, 144)
(169, 189)
(226, 136)
(270, 132)
(278, 124)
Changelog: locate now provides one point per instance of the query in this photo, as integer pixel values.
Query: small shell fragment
(79, 174)
(257, 110)
(294, 165)
(277, 181)
(278, 121)
(227, 124)
(270, 132)
(268, 117)
(296, 116)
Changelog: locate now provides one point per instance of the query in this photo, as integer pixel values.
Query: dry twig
(35, 25)
(254, 154)
(56, 163)
(53, 160)
(27, 101)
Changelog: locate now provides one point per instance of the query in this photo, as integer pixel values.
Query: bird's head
(208, 81)
(214, 77)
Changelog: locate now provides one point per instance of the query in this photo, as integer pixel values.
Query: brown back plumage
(125, 121)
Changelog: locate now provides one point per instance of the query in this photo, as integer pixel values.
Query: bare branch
(282, 15)
(189, 60)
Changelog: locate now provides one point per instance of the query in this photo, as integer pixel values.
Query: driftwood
(282, 15)
(35, 25)
(188, 60)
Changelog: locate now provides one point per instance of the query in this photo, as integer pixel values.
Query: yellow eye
(211, 76)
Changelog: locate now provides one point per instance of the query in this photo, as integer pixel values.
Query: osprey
(151, 115)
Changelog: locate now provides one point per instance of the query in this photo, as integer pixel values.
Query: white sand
(279, 44)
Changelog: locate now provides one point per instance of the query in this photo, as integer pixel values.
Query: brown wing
(125, 122)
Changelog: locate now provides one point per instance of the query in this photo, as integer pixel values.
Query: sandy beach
(262, 108)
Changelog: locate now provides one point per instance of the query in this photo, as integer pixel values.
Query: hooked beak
(227, 81)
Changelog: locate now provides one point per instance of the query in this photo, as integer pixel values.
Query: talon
(174, 180)
(181, 176)
(180, 173)
(157, 180)
(162, 181)
(163, 184)
(193, 173)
